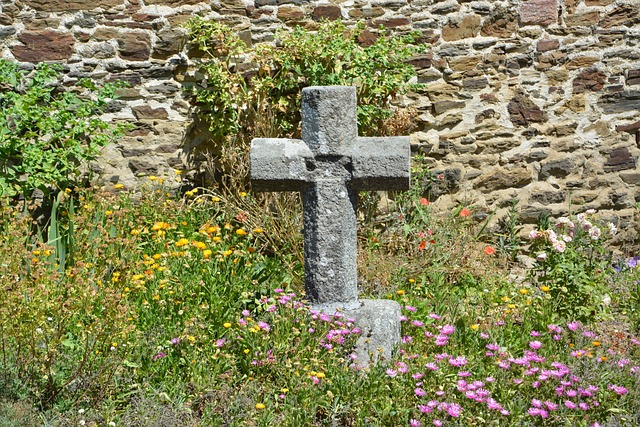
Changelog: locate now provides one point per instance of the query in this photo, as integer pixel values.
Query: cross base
(379, 321)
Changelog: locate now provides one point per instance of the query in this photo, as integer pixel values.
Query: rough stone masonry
(329, 166)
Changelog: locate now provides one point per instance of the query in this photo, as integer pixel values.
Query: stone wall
(534, 100)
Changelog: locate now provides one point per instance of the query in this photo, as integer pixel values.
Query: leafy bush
(572, 265)
(48, 131)
(256, 92)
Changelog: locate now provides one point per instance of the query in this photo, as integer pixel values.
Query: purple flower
(458, 361)
(159, 356)
(175, 341)
(633, 262)
(425, 409)
(448, 329)
(492, 347)
(618, 389)
(535, 345)
(573, 326)
(454, 410)
(538, 412)
(220, 342)
(569, 404)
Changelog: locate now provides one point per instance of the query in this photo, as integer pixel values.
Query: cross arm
(381, 163)
(279, 164)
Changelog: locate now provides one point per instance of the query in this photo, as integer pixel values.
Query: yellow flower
(216, 238)
(320, 374)
(240, 232)
(246, 351)
(206, 253)
(156, 297)
(257, 230)
(36, 252)
(156, 256)
(524, 291)
(135, 232)
(412, 280)
(182, 242)
(212, 229)
(160, 226)
(227, 252)
(200, 245)
(153, 178)
(137, 277)
(178, 172)
(596, 343)
(400, 292)
(544, 288)
(505, 298)
(243, 194)
(107, 213)
(191, 338)
(260, 406)
(215, 199)
(511, 306)
(226, 325)
(284, 390)
(475, 327)
(118, 186)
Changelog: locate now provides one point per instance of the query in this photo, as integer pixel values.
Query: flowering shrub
(169, 312)
(572, 265)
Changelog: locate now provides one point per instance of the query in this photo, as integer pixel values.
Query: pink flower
(458, 361)
(432, 366)
(573, 326)
(437, 423)
(448, 329)
(569, 404)
(414, 423)
(420, 392)
(411, 308)
(391, 372)
(535, 345)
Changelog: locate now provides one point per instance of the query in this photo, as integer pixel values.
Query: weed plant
(167, 310)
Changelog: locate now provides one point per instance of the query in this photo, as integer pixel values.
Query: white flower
(606, 300)
(571, 225)
(81, 411)
(559, 246)
(533, 234)
(580, 217)
(542, 256)
(586, 225)
(112, 424)
(552, 236)
(590, 211)
(612, 229)
(563, 220)
(595, 233)
(566, 238)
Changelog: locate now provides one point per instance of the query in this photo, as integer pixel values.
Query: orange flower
(424, 201)
(422, 245)
(465, 212)
(489, 250)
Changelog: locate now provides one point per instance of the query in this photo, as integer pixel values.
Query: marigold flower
(182, 242)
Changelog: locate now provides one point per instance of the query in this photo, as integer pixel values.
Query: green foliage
(256, 91)
(47, 131)
(572, 266)
(168, 311)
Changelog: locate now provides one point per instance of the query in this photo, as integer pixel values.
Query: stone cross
(329, 166)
